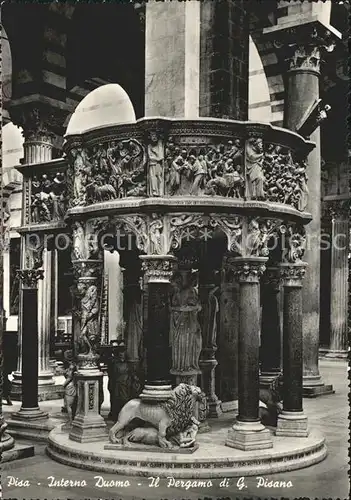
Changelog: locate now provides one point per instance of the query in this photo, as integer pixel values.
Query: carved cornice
(30, 277)
(292, 274)
(247, 270)
(158, 268)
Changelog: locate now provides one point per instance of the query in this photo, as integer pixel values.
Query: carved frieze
(207, 169)
(48, 197)
(285, 179)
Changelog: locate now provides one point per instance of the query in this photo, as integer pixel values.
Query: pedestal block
(291, 423)
(88, 425)
(249, 436)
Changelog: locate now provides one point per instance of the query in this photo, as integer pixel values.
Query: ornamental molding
(29, 278)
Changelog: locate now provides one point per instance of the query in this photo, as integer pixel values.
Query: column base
(248, 436)
(7, 442)
(291, 423)
(46, 378)
(333, 354)
(156, 392)
(313, 387)
(29, 414)
(30, 423)
(214, 408)
(46, 392)
(266, 378)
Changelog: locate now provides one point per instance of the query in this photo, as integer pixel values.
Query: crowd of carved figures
(48, 197)
(253, 170)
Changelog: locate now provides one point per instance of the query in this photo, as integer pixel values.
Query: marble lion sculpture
(172, 421)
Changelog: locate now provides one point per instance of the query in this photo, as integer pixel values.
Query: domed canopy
(105, 106)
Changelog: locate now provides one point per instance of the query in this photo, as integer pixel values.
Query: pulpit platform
(212, 458)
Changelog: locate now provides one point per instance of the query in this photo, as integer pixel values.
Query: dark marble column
(292, 421)
(30, 408)
(247, 432)
(270, 355)
(158, 271)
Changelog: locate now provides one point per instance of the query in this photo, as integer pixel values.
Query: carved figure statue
(89, 316)
(70, 395)
(199, 173)
(81, 170)
(155, 235)
(156, 160)
(254, 169)
(272, 397)
(169, 418)
(185, 330)
(119, 380)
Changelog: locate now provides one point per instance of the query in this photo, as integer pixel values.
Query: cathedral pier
(303, 112)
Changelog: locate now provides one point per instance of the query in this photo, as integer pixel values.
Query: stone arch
(105, 44)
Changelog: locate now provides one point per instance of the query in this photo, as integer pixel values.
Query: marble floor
(328, 479)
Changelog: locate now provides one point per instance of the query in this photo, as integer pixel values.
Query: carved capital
(39, 121)
(337, 210)
(305, 45)
(30, 277)
(158, 268)
(87, 270)
(247, 270)
(292, 274)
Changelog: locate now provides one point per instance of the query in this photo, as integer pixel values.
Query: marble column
(247, 432)
(38, 122)
(292, 421)
(228, 336)
(302, 91)
(270, 355)
(133, 313)
(29, 285)
(88, 425)
(339, 287)
(158, 271)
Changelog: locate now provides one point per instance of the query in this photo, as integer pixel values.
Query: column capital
(293, 274)
(304, 44)
(158, 268)
(247, 269)
(30, 277)
(40, 120)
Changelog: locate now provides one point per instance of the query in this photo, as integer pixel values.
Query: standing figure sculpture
(185, 331)
(70, 395)
(254, 169)
(156, 163)
(89, 326)
(118, 379)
